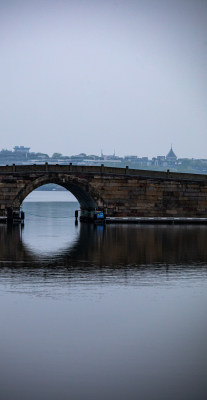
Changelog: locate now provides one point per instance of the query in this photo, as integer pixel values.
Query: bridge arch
(85, 194)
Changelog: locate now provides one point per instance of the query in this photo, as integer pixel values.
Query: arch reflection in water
(49, 227)
(59, 242)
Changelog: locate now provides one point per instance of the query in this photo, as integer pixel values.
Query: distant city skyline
(101, 153)
(22, 156)
(23, 149)
(182, 153)
(81, 76)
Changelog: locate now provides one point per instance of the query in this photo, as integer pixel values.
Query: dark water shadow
(114, 246)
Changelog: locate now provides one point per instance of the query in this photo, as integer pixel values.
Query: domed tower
(171, 157)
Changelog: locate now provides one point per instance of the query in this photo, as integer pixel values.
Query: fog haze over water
(81, 76)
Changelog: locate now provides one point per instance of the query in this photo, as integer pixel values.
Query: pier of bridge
(119, 192)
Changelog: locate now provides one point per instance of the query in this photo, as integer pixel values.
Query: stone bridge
(119, 192)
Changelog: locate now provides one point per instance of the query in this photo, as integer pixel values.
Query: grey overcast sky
(82, 75)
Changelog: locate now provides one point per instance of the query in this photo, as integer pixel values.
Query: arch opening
(80, 190)
(50, 192)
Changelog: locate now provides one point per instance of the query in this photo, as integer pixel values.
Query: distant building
(131, 158)
(161, 158)
(144, 159)
(171, 157)
(21, 149)
(108, 157)
(162, 161)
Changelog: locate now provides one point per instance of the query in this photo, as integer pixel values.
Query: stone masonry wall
(133, 196)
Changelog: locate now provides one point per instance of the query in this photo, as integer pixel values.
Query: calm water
(114, 312)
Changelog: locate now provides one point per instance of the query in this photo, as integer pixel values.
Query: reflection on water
(49, 227)
(115, 311)
(50, 234)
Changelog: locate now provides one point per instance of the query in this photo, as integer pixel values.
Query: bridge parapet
(90, 169)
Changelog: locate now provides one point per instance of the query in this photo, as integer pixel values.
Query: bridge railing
(97, 169)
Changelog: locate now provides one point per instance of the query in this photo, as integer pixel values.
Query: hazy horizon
(81, 76)
(94, 154)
